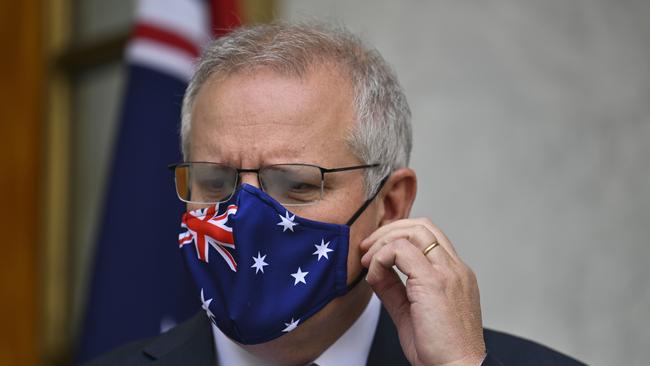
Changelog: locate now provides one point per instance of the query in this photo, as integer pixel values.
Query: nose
(249, 178)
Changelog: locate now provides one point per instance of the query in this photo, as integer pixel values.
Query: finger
(386, 283)
(390, 290)
(390, 236)
(402, 254)
(382, 230)
(418, 235)
(403, 233)
(442, 238)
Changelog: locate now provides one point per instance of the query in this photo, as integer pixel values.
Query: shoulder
(507, 349)
(127, 355)
(503, 349)
(190, 341)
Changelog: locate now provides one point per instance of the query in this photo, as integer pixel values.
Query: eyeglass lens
(292, 184)
(289, 184)
(204, 182)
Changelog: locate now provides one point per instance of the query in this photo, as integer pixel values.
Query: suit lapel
(386, 349)
(190, 343)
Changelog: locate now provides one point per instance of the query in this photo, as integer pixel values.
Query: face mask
(261, 270)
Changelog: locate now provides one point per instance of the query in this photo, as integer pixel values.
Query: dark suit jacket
(191, 343)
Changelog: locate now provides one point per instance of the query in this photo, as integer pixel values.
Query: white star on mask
(299, 276)
(322, 249)
(291, 325)
(206, 306)
(287, 222)
(259, 263)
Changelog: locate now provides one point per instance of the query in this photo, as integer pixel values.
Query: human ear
(397, 196)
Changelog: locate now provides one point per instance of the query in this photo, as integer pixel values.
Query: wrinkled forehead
(261, 116)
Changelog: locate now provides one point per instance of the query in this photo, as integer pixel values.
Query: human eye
(212, 185)
(293, 184)
(298, 186)
(302, 191)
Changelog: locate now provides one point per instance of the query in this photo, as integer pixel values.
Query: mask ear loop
(354, 218)
(365, 205)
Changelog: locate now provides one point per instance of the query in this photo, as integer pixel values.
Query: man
(296, 140)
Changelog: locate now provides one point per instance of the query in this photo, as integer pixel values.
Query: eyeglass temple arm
(334, 170)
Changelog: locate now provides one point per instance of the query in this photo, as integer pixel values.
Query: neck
(316, 334)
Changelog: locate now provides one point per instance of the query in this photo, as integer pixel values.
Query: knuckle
(385, 253)
(381, 242)
(470, 275)
(424, 231)
(469, 271)
(449, 276)
(437, 280)
(399, 243)
(378, 257)
(372, 277)
(425, 221)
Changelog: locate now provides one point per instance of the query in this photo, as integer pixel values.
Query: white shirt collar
(352, 348)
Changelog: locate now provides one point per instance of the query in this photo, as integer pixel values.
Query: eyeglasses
(289, 184)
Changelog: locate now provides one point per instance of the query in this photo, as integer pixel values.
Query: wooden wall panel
(21, 103)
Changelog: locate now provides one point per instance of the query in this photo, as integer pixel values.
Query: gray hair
(383, 130)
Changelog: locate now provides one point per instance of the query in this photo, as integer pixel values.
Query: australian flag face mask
(261, 270)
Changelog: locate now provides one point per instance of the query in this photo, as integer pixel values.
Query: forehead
(260, 117)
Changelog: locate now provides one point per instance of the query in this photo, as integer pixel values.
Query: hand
(438, 312)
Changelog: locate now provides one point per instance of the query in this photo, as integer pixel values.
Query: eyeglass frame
(323, 171)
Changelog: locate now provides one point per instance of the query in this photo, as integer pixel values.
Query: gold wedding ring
(430, 247)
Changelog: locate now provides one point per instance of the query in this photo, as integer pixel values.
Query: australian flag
(139, 286)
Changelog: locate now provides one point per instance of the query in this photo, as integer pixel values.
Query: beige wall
(532, 145)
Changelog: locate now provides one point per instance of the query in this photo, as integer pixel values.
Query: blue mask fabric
(261, 270)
